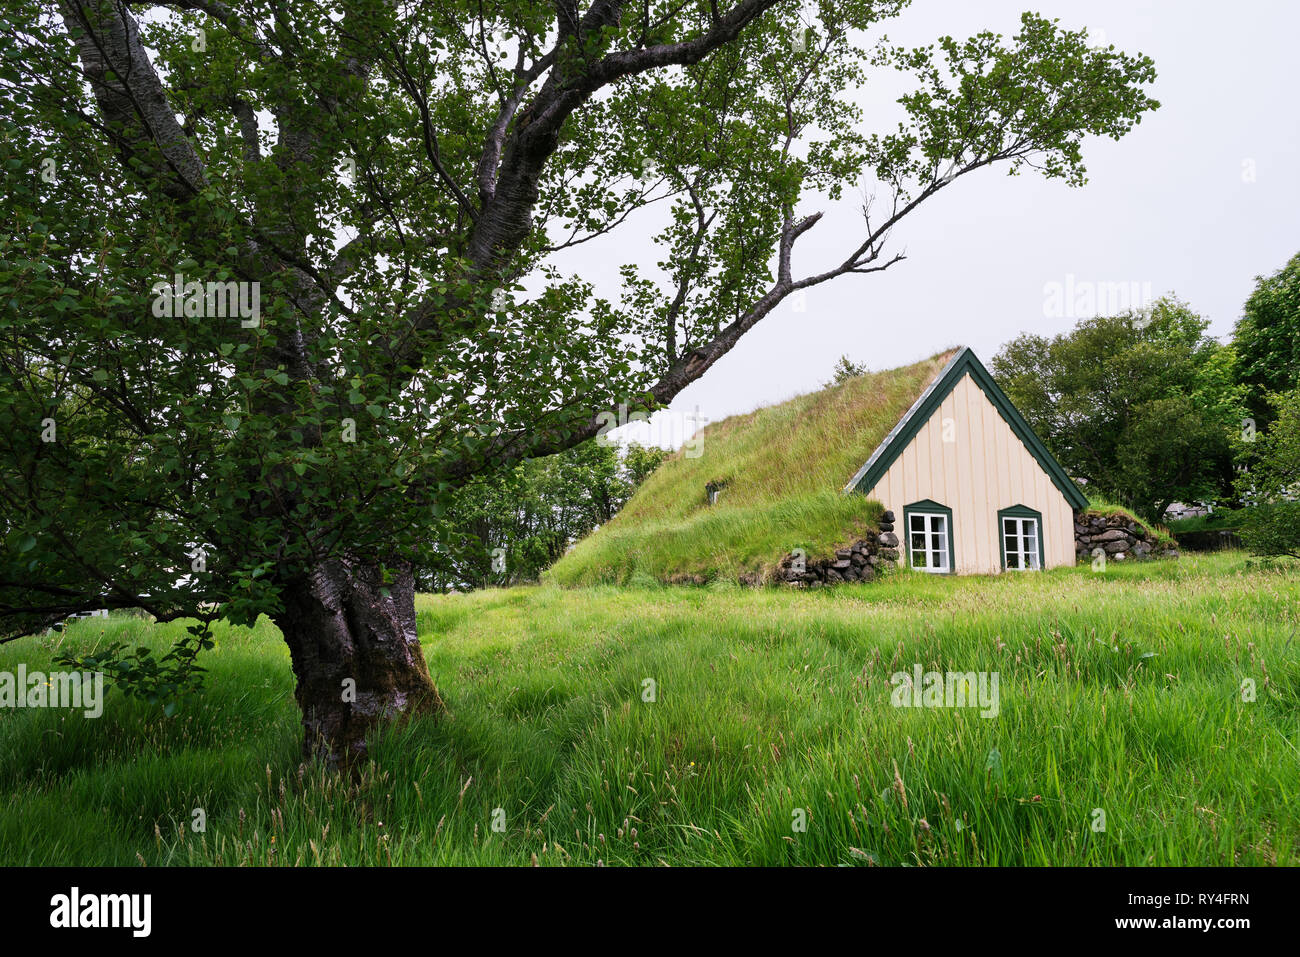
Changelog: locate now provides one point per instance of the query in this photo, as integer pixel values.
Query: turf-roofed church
(973, 489)
(957, 483)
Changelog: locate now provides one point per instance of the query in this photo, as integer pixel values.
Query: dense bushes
(1272, 480)
(1273, 529)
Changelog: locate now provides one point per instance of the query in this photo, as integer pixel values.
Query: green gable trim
(929, 506)
(1021, 511)
(962, 364)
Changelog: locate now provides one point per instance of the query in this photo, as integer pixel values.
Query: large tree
(398, 183)
(1267, 340)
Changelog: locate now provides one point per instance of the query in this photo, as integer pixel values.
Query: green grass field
(1119, 691)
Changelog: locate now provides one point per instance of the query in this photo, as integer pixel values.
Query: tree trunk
(356, 657)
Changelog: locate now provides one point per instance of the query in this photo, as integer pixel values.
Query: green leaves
(1272, 526)
(140, 673)
(993, 766)
(1267, 339)
(533, 512)
(1029, 102)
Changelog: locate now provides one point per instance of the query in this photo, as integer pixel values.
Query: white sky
(1198, 200)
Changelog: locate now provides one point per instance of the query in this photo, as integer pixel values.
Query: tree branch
(131, 97)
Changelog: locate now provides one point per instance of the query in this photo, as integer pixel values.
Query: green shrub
(1273, 530)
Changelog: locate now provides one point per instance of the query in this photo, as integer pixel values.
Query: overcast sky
(1201, 197)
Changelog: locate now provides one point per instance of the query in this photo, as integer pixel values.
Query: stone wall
(861, 561)
(1120, 537)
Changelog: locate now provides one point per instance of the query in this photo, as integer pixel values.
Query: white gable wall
(985, 467)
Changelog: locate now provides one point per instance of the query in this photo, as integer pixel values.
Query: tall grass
(1120, 691)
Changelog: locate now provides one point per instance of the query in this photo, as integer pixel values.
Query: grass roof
(782, 469)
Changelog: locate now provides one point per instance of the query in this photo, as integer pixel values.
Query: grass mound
(781, 470)
(1106, 509)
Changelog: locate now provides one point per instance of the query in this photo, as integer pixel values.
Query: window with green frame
(927, 536)
(1021, 530)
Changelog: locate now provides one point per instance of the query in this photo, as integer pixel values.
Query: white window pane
(927, 541)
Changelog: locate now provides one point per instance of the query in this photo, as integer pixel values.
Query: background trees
(1270, 481)
(1142, 406)
(508, 528)
(1267, 340)
(1148, 410)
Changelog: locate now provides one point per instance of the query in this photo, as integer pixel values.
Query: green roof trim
(962, 364)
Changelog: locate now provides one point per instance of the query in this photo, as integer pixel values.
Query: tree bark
(356, 657)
